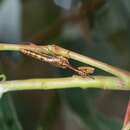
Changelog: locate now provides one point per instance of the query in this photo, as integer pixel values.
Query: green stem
(2, 77)
(9, 47)
(53, 49)
(124, 75)
(100, 82)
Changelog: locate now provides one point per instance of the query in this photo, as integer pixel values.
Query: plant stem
(100, 82)
(2, 77)
(53, 49)
(9, 47)
(124, 75)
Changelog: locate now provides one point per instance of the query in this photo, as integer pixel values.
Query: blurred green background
(96, 28)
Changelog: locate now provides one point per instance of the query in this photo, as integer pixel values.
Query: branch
(100, 82)
(120, 82)
(124, 75)
(56, 50)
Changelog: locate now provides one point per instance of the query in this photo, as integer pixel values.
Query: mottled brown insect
(58, 61)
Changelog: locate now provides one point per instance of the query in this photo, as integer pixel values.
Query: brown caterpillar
(58, 61)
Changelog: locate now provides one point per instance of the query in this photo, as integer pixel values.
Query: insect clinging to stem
(58, 61)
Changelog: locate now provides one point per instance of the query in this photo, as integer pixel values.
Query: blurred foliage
(8, 117)
(1, 1)
(96, 28)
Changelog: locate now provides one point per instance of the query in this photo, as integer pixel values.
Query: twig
(124, 75)
(2, 77)
(56, 50)
(100, 82)
(121, 82)
(58, 61)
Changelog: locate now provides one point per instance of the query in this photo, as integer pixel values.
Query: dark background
(96, 28)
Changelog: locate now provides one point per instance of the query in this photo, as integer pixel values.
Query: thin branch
(56, 50)
(2, 77)
(124, 75)
(100, 82)
(121, 82)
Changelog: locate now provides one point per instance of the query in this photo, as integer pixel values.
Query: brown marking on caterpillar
(58, 61)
